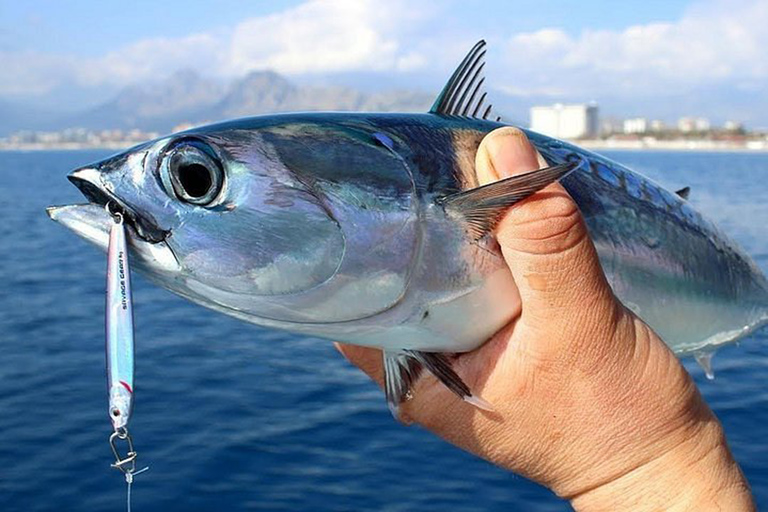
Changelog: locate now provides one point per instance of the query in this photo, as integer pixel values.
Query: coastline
(683, 145)
(66, 146)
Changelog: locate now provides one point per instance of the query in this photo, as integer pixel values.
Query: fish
(372, 229)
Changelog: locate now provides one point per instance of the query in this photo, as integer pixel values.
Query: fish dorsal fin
(684, 192)
(464, 94)
(480, 208)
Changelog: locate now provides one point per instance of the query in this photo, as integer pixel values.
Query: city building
(702, 124)
(566, 121)
(685, 124)
(610, 125)
(636, 125)
(658, 125)
(690, 124)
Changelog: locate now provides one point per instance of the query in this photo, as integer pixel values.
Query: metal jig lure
(120, 350)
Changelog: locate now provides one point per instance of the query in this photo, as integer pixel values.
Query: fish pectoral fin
(684, 192)
(402, 369)
(482, 207)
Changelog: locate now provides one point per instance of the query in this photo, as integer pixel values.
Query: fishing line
(129, 485)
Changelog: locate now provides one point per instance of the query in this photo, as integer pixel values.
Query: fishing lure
(119, 347)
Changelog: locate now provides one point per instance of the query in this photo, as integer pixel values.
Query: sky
(635, 57)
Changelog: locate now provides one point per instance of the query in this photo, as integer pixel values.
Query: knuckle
(544, 224)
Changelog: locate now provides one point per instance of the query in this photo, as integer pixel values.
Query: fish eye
(196, 174)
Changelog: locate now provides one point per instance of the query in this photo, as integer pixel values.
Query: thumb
(544, 239)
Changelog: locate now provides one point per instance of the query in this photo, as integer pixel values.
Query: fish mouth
(88, 181)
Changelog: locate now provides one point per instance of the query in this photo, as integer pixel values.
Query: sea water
(230, 416)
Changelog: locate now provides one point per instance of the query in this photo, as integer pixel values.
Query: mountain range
(188, 97)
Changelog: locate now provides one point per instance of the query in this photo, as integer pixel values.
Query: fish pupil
(195, 178)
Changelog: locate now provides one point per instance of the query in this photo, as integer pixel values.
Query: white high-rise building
(636, 125)
(566, 121)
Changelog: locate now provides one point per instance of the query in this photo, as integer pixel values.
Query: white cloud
(34, 73)
(318, 36)
(713, 43)
(149, 58)
(716, 43)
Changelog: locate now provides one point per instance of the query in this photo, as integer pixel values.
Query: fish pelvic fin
(402, 369)
(400, 372)
(482, 207)
(464, 95)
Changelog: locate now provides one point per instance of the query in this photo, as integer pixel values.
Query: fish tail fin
(402, 369)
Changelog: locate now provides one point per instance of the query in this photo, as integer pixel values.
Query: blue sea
(230, 416)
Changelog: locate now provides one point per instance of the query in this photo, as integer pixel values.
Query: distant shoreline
(702, 145)
(683, 145)
(66, 146)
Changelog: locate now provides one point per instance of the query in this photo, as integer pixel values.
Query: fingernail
(511, 153)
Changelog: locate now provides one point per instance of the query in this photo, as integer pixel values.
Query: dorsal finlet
(464, 94)
(705, 361)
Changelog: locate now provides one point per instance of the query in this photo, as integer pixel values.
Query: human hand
(588, 400)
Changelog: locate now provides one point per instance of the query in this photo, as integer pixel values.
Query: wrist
(698, 473)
